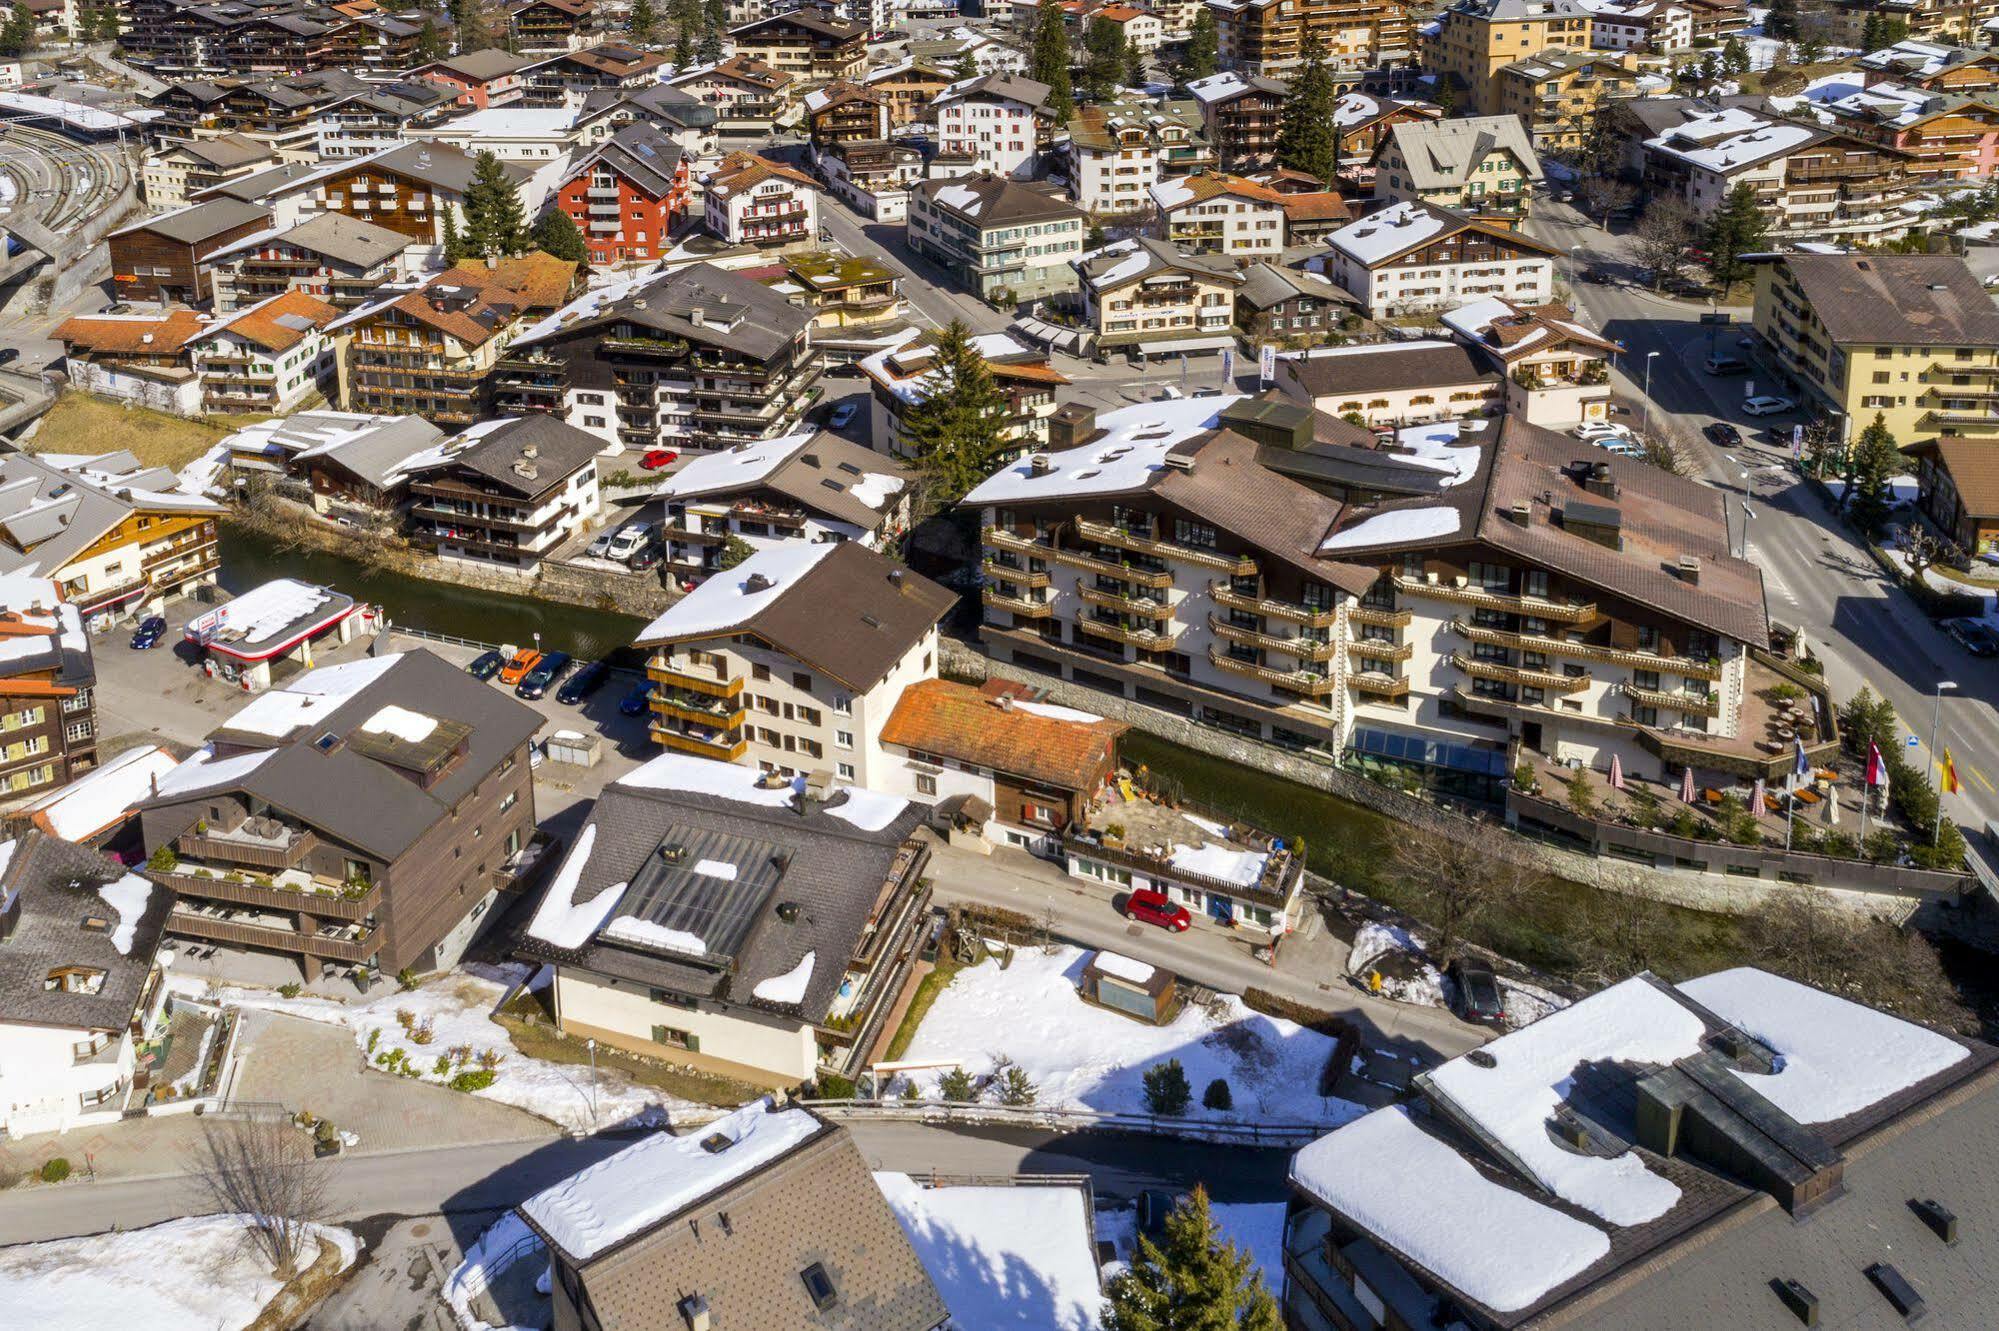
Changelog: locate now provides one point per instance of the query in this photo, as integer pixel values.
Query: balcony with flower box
(1567, 612)
(1021, 607)
(1303, 647)
(1146, 640)
(1310, 616)
(1308, 682)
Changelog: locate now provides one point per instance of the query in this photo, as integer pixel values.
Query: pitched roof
(344, 239)
(1266, 284)
(818, 471)
(1384, 236)
(1384, 367)
(1179, 191)
(58, 887)
(642, 152)
(481, 66)
(993, 200)
(986, 726)
(741, 171)
(280, 322)
(1444, 153)
(1973, 465)
(225, 150)
(1901, 299)
(1508, 331)
(1012, 87)
(737, 313)
(1123, 262)
(199, 222)
(525, 455)
(839, 29)
(152, 334)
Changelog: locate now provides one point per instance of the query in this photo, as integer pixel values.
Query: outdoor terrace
(1153, 834)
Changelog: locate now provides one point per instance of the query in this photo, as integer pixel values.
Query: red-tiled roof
(972, 725)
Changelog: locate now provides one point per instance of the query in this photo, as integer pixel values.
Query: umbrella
(1616, 773)
(1756, 800)
(1686, 785)
(1832, 809)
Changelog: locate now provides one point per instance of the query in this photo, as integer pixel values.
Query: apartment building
(873, 178)
(138, 358)
(844, 292)
(1391, 384)
(812, 49)
(165, 258)
(364, 817)
(1912, 338)
(564, 79)
(750, 200)
(698, 358)
(1148, 297)
(505, 492)
(48, 734)
(792, 661)
(1557, 370)
(1242, 113)
(1359, 37)
(1273, 570)
(266, 357)
(812, 487)
(1811, 183)
(910, 87)
(1942, 136)
(382, 117)
(1962, 22)
(994, 124)
(1413, 257)
(623, 195)
(1364, 122)
(339, 259)
(1001, 240)
(1475, 39)
(1288, 306)
(174, 38)
(552, 27)
(1120, 149)
(902, 376)
(747, 95)
(1933, 66)
(479, 79)
(1651, 26)
(429, 352)
(1211, 213)
(181, 167)
(1558, 94)
(1484, 165)
(407, 189)
(845, 112)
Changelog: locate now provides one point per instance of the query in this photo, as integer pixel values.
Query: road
(1815, 574)
(470, 1179)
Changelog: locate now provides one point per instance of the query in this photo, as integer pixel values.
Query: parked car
(646, 557)
(151, 629)
(1170, 394)
(485, 665)
(602, 545)
(656, 458)
(1475, 991)
(1601, 430)
(1623, 448)
(546, 671)
(587, 680)
(1974, 635)
(515, 670)
(629, 540)
(1723, 435)
(1596, 277)
(8, 355)
(843, 416)
(1763, 404)
(637, 700)
(1725, 364)
(1153, 907)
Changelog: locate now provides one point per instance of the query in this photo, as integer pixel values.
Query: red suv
(1154, 908)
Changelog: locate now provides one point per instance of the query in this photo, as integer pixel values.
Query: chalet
(751, 200)
(549, 27)
(266, 357)
(747, 95)
(479, 79)
(813, 50)
(503, 493)
(623, 195)
(140, 358)
(1413, 257)
(902, 376)
(340, 259)
(165, 258)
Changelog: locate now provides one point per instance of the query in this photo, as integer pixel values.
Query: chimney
(1520, 514)
(1040, 464)
(694, 1312)
(1689, 570)
(758, 583)
(1598, 482)
(492, 260)
(698, 316)
(1072, 425)
(895, 578)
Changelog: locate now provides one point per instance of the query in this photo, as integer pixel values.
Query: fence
(1227, 1132)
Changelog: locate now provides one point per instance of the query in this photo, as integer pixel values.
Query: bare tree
(1924, 549)
(1602, 195)
(265, 1170)
(1798, 931)
(1666, 235)
(1462, 877)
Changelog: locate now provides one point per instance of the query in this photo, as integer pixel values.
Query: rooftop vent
(1688, 570)
(757, 582)
(1040, 464)
(673, 853)
(1481, 1058)
(694, 1312)
(788, 911)
(1940, 1220)
(1801, 1301)
(1895, 1287)
(1520, 513)
(895, 578)
(717, 1142)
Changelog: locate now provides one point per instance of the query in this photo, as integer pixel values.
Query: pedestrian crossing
(1774, 586)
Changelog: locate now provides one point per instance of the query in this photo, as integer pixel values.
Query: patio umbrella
(1616, 773)
(1756, 804)
(1832, 808)
(1686, 785)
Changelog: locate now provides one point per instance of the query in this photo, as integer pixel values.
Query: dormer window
(74, 980)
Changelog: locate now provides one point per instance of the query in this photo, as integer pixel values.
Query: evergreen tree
(1307, 135)
(556, 234)
(684, 48)
(1447, 95)
(1737, 228)
(717, 13)
(494, 221)
(1103, 66)
(1893, 30)
(1734, 58)
(955, 431)
(965, 67)
(1874, 460)
(1200, 57)
(1870, 34)
(1134, 66)
(454, 243)
(1049, 62)
(470, 25)
(1782, 20)
(1167, 1090)
(711, 47)
(1095, 239)
(17, 35)
(734, 551)
(643, 20)
(430, 43)
(1810, 49)
(1191, 1280)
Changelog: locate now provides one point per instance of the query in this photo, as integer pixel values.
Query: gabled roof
(838, 29)
(839, 93)
(995, 200)
(742, 67)
(1441, 154)
(1384, 236)
(1124, 262)
(225, 151)
(479, 66)
(1180, 191)
(643, 153)
(1230, 85)
(998, 726)
(344, 239)
(736, 312)
(1509, 331)
(523, 455)
(741, 171)
(132, 334)
(198, 222)
(1973, 465)
(1899, 299)
(996, 87)
(58, 887)
(279, 322)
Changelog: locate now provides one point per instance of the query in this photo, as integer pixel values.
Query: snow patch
(869, 810)
(1003, 1256)
(726, 601)
(1395, 527)
(128, 896)
(410, 727)
(1241, 867)
(788, 987)
(562, 922)
(1054, 712)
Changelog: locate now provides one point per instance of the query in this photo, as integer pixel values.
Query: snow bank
(1834, 1057)
(1002, 1256)
(1055, 712)
(1082, 1057)
(1375, 940)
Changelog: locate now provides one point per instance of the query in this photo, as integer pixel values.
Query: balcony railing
(1376, 617)
(1697, 704)
(1002, 539)
(725, 746)
(322, 900)
(1377, 649)
(1380, 686)
(1105, 534)
(1020, 577)
(1689, 666)
(1552, 681)
(1020, 606)
(1159, 579)
(242, 932)
(1144, 639)
(258, 854)
(1270, 608)
(1144, 607)
(1306, 682)
(1567, 612)
(698, 709)
(1305, 649)
(708, 685)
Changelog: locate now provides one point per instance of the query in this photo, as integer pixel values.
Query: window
(75, 980)
(759, 672)
(843, 739)
(819, 1286)
(925, 784)
(801, 681)
(677, 1039)
(846, 771)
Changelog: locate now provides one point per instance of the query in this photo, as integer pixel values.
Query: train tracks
(56, 181)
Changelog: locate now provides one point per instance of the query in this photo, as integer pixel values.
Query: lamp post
(1649, 357)
(591, 1045)
(1936, 712)
(1748, 512)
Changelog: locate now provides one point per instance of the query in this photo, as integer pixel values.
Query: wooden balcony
(1696, 704)
(240, 933)
(1270, 608)
(689, 708)
(1104, 533)
(331, 904)
(1020, 577)
(1379, 686)
(1144, 639)
(708, 685)
(1510, 604)
(1689, 666)
(1001, 539)
(1298, 681)
(1144, 607)
(1158, 579)
(726, 746)
(1377, 650)
(1375, 617)
(1019, 606)
(1305, 649)
(1552, 681)
(250, 854)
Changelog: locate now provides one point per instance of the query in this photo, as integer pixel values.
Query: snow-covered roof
(644, 1184)
(308, 697)
(732, 468)
(705, 776)
(1222, 863)
(1003, 1256)
(1130, 454)
(267, 616)
(1385, 234)
(562, 923)
(204, 771)
(1443, 446)
(1125, 968)
(1399, 526)
(99, 798)
(1489, 1242)
(728, 600)
(1731, 139)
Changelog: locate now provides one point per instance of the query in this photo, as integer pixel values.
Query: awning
(1224, 342)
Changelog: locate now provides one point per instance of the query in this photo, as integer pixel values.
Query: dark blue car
(583, 683)
(151, 630)
(635, 702)
(485, 665)
(546, 671)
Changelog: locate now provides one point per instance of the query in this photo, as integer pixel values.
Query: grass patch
(80, 423)
(927, 989)
(533, 1033)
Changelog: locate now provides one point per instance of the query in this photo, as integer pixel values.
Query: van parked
(1725, 364)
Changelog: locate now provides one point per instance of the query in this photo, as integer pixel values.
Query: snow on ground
(1257, 1226)
(1375, 941)
(1938, 583)
(1085, 1057)
(455, 1009)
(1002, 1256)
(195, 1274)
(1527, 1003)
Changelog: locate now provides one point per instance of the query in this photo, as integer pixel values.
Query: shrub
(423, 1032)
(1523, 777)
(405, 1019)
(1883, 846)
(1167, 1092)
(442, 1067)
(834, 1087)
(1311, 1018)
(406, 978)
(163, 860)
(324, 1132)
(1843, 844)
(909, 1091)
(1011, 1084)
(373, 1036)
(1582, 798)
(490, 1059)
(472, 1079)
(1218, 1096)
(291, 990)
(54, 1170)
(957, 1085)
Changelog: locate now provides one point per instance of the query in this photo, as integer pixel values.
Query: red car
(659, 457)
(1154, 908)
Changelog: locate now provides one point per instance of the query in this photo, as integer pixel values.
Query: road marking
(1774, 581)
(1980, 777)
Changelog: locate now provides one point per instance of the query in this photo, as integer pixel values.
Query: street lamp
(1649, 357)
(591, 1045)
(1748, 493)
(1936, 710)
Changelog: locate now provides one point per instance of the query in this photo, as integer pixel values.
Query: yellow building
(1558, 93)
(1911, 337)
(1475, 39)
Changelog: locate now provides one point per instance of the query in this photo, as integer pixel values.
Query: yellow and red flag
(1951, 785)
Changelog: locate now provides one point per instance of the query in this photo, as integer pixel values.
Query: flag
(1616, 773)
(1803, 766)
(1876, 770)
(1951, 785)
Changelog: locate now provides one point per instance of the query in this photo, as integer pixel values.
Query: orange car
(526, 659)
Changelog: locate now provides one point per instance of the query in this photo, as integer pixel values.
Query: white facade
(1226, 224)
(562, 513)
(293, 374)
(1651, 26)
(783, 1049)
(530, 135)
(764, 213)
(999, 132)
(53, 1078)
(1399, 287)
(1144, 32)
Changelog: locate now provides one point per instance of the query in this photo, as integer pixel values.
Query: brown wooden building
(165, 258)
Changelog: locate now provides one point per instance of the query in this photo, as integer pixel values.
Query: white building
(1412, 258)
(530, 135)
(992, 123)
(793, 660)
(1650, 25)
(752, 201)
(1217, 214)
(269, 356)
(1118, 150)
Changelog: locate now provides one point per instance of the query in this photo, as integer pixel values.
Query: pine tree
(643, 20)
(556, 234)
(454, 243)
(1133, 74)
(1104, 65)
(1049, 62)
(1782, 20)
(494, 221)
(430, 43)
(955, 432)
(711, 47)
(684, 48)
(1191, 1280)
(1307, 135)
(1737, 228)
(1447, 96)
(1200, 57)
(1734, 59)
(1874, 460)
(17, 35)
(965, 68)
(717, 13)
(1870, 34)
